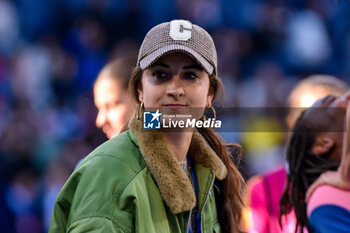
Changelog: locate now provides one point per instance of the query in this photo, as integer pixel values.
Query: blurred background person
(112, 98)
(321, 203)
(264, 191)
(317, 144)
(115, 108)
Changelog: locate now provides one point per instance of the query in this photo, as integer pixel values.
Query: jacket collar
(174, 185)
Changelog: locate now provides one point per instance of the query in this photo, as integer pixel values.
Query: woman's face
(114, 104)
(335, 101)
(332, 112)
(334, 106)
(175, 82)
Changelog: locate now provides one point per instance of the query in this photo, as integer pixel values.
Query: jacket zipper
(206, 199)
(188, 221)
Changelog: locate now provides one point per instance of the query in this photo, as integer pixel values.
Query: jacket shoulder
(121, 149)
(118, 160)
(94, 188)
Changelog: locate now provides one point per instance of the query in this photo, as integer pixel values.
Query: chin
(110, 135)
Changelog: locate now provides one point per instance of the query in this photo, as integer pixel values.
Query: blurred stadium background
(52, 50)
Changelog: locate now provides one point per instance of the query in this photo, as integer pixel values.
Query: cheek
(207, 97)
(198, 96)
(151, 95)
(116, 115)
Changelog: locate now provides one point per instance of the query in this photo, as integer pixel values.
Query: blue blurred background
(52, 50)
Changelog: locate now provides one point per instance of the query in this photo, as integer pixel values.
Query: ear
(210, 98)
(140, 92)
(322, 145)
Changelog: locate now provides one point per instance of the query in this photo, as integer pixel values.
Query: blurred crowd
(52, 51)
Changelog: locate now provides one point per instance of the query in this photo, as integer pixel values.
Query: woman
(264, 191)
(148, 180)
(316, 146)
(112, 98)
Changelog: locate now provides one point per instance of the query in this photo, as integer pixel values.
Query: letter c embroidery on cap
(180, 30)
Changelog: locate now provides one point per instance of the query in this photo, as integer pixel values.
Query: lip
(108, 132)
(175, 106)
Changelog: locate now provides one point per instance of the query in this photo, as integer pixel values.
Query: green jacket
(133, 183)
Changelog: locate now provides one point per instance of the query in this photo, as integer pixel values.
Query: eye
(160, 75)
(190, 76)
(114, 104)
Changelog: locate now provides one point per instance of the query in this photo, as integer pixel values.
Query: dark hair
(304, 167)
(228, 197)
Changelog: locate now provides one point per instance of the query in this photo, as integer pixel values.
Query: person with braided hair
(264, 191)
(317, 145)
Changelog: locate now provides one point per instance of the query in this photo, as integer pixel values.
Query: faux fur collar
(174, 185)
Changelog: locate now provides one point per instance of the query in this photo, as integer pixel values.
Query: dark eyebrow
(161, 64)
(197, 67)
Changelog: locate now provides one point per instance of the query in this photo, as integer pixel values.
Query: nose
(101, 118)
(175, 88)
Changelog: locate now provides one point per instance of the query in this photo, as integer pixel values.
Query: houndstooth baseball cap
(178, 36)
